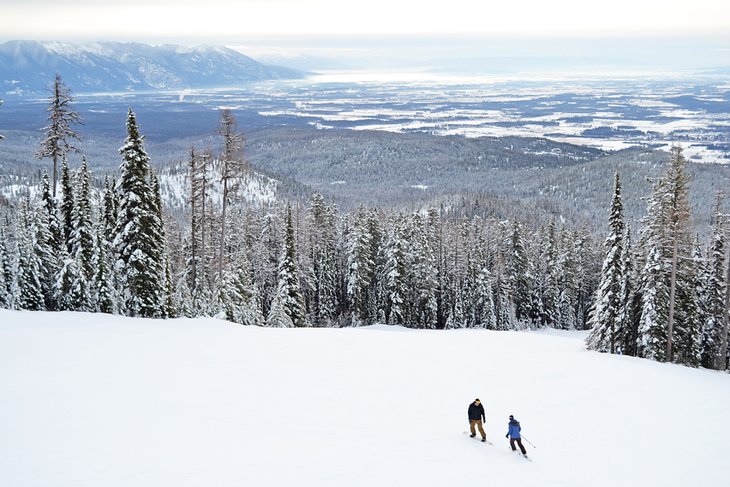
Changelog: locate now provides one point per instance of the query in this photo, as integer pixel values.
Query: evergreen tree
(6, 274)
(607, 327)
(137, 236)
(681, 283)
(359, 266)
(82, 235)
(323, 248)
(29, 291)
(630, 299)
(424, 279)
(288, 292)
(50, 207)
(652, 330)
(58, 135)
(484, 315)
(714, 298)
(67, 206)
(47, 255)
(395, 277)
(518, 273)
(238, 295)
(109, 210)
(104, 289)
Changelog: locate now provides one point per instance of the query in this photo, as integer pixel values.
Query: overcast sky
(221, 20)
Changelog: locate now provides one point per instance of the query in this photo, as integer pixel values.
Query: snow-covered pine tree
(160, 252)
(29, 293)
(394, 279)
(550, 272)
(567, 282)
(137, 235)
(606, 326)
(630, 300)
(238, 295)
(82, 236)
(323, 247)
(67, 206)
(679, 236)
(58, 136)
(47, 254)
(423, 276)
(103, 286)
(54, 225)
(109, 210)
(518, 271)
(484, 312)
(6, 274)
(278, 317)
(359, 266)
(714, 291)
(288, 293)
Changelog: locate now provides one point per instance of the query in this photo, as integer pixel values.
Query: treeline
(666, 297)
(306, 266)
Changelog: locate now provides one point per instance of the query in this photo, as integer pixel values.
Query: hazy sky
(225, 21)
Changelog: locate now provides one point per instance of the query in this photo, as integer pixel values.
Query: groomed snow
(94, 400)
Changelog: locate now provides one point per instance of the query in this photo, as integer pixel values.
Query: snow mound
(91, 400)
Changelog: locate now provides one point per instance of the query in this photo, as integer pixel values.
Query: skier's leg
(471, 427)
(512, 444)
(522, 448)
(481, 430)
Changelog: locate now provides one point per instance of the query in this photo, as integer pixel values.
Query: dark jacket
(476, 412)
(514, 429)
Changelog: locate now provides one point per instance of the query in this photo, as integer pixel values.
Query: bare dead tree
(232, 167)
(58, 134)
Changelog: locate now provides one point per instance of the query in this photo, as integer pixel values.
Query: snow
(90, 400)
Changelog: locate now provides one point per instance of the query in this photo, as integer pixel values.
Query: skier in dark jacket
(513, 433)
(476, 417)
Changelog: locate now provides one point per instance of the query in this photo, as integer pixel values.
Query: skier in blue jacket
(513, 433)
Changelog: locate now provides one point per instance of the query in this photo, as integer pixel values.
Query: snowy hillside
(29, 66)
(91, 400)
(254, 189)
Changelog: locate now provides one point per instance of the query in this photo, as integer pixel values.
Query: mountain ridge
(28, 67)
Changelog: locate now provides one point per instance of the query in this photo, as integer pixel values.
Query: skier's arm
(484, 418)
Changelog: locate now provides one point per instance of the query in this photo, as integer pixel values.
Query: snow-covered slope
(92, 400)
(30, 66)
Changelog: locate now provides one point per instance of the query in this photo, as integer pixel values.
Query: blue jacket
(514, 429)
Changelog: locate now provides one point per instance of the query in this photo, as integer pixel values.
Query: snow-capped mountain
(29, 66)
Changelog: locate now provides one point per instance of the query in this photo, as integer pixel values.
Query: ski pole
(523, 437)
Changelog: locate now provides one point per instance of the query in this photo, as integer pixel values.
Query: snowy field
(91, 401)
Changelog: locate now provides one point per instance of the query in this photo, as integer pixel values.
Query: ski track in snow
(97, 400)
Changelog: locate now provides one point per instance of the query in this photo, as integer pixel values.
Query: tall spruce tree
(137, 232)
(29, 292)
(82, 234)
(6, 274)
(288, 293)
(58, 135)
(67, 206)
(606, 325)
